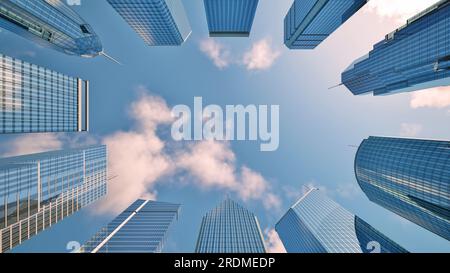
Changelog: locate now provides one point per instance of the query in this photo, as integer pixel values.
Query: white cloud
(261, 56)
(399, 10)
(140, 159)
(410, 129)
(216, 51)
(432, 98)
(137, 157)
(32, 143)
(213, 165)
(348, 190)
(273, 242)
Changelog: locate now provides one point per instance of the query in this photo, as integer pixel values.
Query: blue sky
(318, 127)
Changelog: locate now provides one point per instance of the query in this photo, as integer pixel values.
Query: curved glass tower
(410, 177)
(230, 228)
(317, 224)
(52, 24)
(413, 57)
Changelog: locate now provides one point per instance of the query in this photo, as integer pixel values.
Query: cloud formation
(261, 56)
(273, 242)
(431, 98)
(139, 159)
(410, 129)
(216, 51)
(213, 164)
(399, 10)
(31, 144)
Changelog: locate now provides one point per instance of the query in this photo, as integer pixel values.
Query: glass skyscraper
(317, 224)
(230, 18)
(37, 191)
(410, 177)
(413, 57)
(158, 22)
(34, 99)
(52, 24)
(230, 228)
(310, 22)
(141, 228)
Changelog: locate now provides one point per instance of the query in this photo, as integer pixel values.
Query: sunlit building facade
(410, 177)
(52, 24)
(37, 191)
(317, 224)
(230, 228)
(141, 228)
(158, 22)
(230, 18)
(309, 22)
(413, 57)
(34, 99)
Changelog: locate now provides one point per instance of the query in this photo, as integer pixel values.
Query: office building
(158, 22)
(141, 228)
(309, 22)
(52, 24)
(36, 100)
(317, 224)
(38, 191)
(230, 228)
(410, 177)
(413, 57)
(230, 18)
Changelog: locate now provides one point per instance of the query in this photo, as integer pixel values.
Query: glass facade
(50, 23)
(158, 22)
(415, 56)
(40, 190)
(230, 228)
(410, 177)
(309, 22)
(34, 99)
(141, 228)
(230, 18)
(317, 224)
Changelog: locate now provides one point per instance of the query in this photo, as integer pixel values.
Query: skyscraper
(35, 99)
(141, 228)
(158, 22)
(230, 228)
(413, 57)
(52, 24)
(310, 22)
(230, 18)
(410, 177)
(317, 224)
(38, 191)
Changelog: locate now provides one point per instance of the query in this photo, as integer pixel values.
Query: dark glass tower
(158, 22)
(141, 228)
(410, 177)
(309, 22)
(230, 228)
(52, 24)
(317, 224)
(37, 191)
(413, 57)
(230, 18)
(35, 99)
